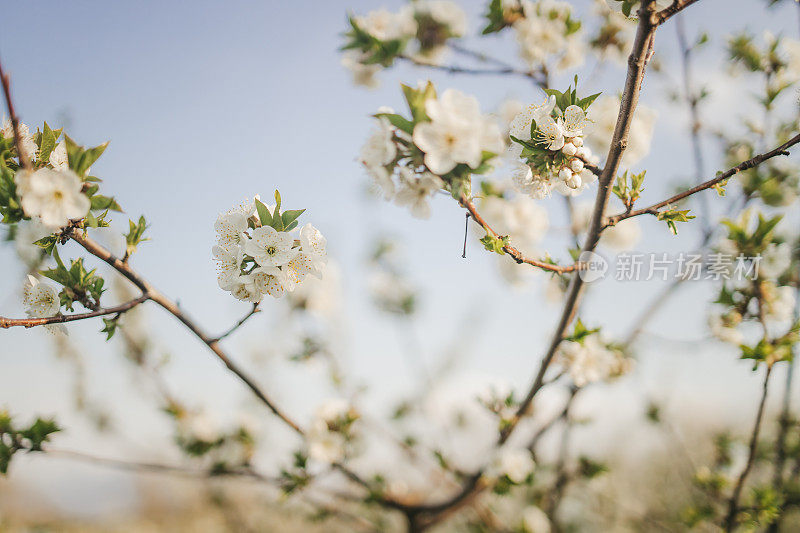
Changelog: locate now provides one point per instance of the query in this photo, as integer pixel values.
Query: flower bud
(573, 182)
(583, 153)
(564, 174)
(576, 165)
(577, 141)
(569, 150)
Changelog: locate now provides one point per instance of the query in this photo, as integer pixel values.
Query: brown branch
(515, 254)
(156, 296)
(12, 115)
(741, 167)
(733, 504)
(59, 319)
(676, 7)
(239, 324)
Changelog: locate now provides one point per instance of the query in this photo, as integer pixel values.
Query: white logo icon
(592, 266)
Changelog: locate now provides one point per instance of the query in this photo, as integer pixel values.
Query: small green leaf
(263, 213)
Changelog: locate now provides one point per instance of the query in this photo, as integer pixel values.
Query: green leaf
(671, 216)
(109, 327)
(290, 217)
(135, 234)
(580, 332)
(398, 121)
(263, 213)
(48, 143)
(100, 202)
(495, 244)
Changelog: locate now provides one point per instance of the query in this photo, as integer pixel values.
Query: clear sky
(205, 103)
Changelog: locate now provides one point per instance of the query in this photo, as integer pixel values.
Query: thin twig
(676, 7)
(733, 504)
(239, 324)
(455, 69)
(741, 167)
(59, 319)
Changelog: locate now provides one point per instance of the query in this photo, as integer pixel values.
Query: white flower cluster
(547, 32)
(255, 259)
(420, 28)
(456, 134)
(41, 301)
(591, 360)
(561, 166)
(52, 196)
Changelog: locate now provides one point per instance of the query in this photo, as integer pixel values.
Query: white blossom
(590, 361)
(387, 26)
(724, 328)
(780, 302)
(776, 258)
(244, 288)
(27, 141)
(26, 234)
(515, 463)
(229, 261)
(54, 196)
(535, 520)
(314, 244)
(58, 157)
(270, 247)
(41, 300)
(363, 73)
(624, 235)
(272, 281)
(324, 445)
(604, 119)
(415, 191)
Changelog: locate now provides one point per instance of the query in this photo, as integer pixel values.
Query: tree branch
(741, 167)
(59, 319)
(676, 7)
(12, 115)
(515, 254)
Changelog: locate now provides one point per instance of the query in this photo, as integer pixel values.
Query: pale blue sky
(208, 102)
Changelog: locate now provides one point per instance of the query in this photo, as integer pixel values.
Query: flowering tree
(501, 169)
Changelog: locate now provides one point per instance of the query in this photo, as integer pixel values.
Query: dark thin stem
(239, 324)
(455, 69)
(733, 503)
(466, 231)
